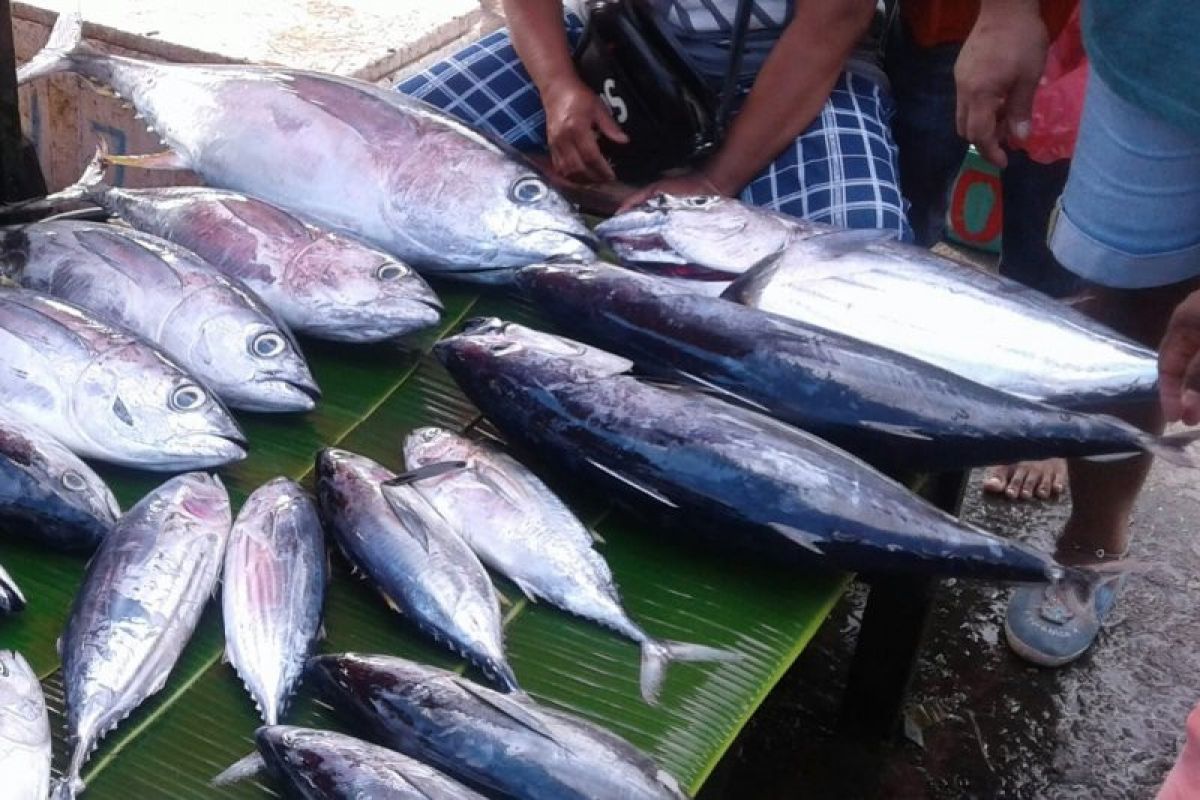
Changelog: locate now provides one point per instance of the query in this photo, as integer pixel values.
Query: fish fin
(838, 243)
(58, 55)
(596, 537)
(511, 709)
(91, 181)
(505, 600)
(410, 521)
(658, 654)
(58, 646)
(240, 770)
(906, 431)
(67, 788)
(165, 160)
(722, 393)
(1172, 447)
(808, 541)
(425, 472)
(633, 484)
(225, 659)
(528, 590)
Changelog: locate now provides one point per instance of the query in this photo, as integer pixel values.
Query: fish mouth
(206, 450)
(280, 395)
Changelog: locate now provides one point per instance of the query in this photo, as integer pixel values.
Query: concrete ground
(982, 724)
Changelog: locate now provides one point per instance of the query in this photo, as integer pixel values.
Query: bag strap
(737, 48)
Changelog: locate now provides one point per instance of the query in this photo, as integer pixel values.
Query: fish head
(371, 686)
(358, 293)
(705, 238)
(289, 746)
(133, 402)
(20, 695)
(56, 468)
(492, 347)
(343, 476)
(433, 445)
(248, 355)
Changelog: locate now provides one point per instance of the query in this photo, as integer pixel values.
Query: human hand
(575, 118)
(1179, 363)
(997, 73)
(690, 185)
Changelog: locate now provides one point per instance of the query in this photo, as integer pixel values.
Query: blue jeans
(931, 153)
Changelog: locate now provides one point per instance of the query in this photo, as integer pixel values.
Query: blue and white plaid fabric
(842, 170)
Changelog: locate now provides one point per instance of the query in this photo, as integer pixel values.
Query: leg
(1126, 222)
(842, 170)
(485, 86)
(930, 149)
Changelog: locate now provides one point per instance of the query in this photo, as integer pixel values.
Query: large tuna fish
(106, 393)
(47, 493)
(416, 561)
(11, 598)
(881, 405)
(705, 464)
(322, 284)
(504, 742)
(24, 731)
(140, 600)
(348, 154)
(273, 592)
(518, 527)
(214, 326)
(323, 765)
(864, 284)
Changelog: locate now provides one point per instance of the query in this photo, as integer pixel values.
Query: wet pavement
(979, 722)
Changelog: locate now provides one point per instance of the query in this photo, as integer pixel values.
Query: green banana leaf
(203, 719)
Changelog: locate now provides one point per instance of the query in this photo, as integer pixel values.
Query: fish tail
(240, 770)
(67, 787)
(61, 51)
(503, 674)
(1172, 448)
(657, 654)
(91, 181)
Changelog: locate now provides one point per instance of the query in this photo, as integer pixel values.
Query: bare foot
(1043, 479)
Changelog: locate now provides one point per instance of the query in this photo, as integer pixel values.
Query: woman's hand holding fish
(693, 184)
(1179, 363)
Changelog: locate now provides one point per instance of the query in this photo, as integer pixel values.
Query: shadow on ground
(979, 722)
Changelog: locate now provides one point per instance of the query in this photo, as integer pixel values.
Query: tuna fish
(416, 561)
(24, 731)
(347, 154)
(11, 598)
(884, 406)
(323, 765)
(863, 284)
(214, 326)
(106, 393)
(322, 284)
(140, 600)
(707, 465)
(274, 589)
(47, 493)
(518, 527)
(501, 742)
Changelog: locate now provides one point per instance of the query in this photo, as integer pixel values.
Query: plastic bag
(1058, 102)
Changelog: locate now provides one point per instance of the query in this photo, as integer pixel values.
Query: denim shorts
(1129, 217)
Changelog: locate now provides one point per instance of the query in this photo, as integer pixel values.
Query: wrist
(723, 177)
(559, 86)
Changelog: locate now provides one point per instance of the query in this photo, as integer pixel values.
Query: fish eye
(268, 345)
(389, 272)
(73, 481)
(504, 348)
(703, 201)
(529, 190)
(187, 397)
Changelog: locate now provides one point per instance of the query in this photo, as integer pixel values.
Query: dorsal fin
(509, 708)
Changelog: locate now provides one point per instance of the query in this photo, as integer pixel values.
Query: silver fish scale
(273, 592)
(24, 732)
(140, 600)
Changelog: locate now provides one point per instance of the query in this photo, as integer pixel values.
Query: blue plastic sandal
(1042, 627)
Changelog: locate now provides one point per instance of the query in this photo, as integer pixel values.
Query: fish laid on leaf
(11, 598)
(47, 494)
(273, 592)
(418, 563)
(105, 392)
(321, 283)
(323, 765)
(141, 598)
(708, 465)
(520, 528)
(24, 731)
(502, 742)
(866, 285)
(348, 154)
(211, 324)
(884, 406)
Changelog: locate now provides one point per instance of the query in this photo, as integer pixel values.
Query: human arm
(787, 95)
(997, 73)
(575, 115)
(1179, 363)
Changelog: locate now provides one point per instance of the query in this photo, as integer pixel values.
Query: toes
(996, 478)
(1017, 481)
(1058, 476)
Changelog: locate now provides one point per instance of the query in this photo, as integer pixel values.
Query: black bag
(672, 117)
